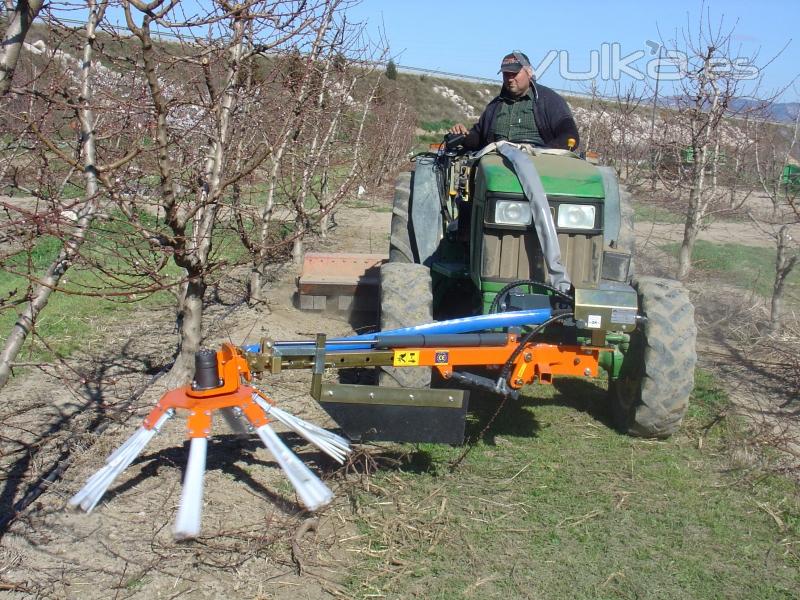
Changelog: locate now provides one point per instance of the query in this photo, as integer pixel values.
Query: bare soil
(256, 541)
(720, 232)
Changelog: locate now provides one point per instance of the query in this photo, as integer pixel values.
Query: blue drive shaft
(502, 320)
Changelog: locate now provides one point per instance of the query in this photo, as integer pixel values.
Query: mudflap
(383, 414)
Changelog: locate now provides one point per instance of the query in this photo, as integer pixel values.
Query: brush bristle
(313, 493)
(187, 523)
(97, 484)
(331, 444)
(119, 460)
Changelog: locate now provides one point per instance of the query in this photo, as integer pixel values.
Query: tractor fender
(612, 218)
(425, 208)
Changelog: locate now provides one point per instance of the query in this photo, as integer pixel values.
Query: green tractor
(515, 227)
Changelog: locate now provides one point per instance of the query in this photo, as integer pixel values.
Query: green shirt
(514, 121)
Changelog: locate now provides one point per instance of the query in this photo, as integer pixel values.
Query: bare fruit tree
(707, 98)
(195, 116)
(83, 159)
(332, 133)
(294, 79)
(776, 157)
(161, 155)
(390, 130)
(624, 142)
(324, 168)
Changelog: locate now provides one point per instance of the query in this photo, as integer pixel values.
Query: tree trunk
(254, 285)
(783, 267)
(255, 289)
(41, 295)
(324, 224)
(297, 249)
(190, 330)
(690, 231)
(19, 23)
(694, 214)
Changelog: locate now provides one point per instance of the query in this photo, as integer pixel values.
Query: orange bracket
(542, 361)
(536, 362)
(201, 403)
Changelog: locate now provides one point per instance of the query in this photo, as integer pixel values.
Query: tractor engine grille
(514, 255)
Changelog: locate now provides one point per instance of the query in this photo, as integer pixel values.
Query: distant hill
(780, 112)
(451, 97)
(438, 99)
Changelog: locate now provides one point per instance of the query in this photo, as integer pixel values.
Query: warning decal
(406, 358)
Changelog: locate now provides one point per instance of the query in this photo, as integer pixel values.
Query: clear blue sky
(470, 36)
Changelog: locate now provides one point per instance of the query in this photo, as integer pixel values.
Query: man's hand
(459, 129)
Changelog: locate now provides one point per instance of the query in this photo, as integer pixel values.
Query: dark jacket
(550, 111)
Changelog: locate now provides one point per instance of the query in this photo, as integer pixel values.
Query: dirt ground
(125, 547)
(256, 541)
(723, 232)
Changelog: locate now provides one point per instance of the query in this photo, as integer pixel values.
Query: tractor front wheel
(406, 300)
(651, 395)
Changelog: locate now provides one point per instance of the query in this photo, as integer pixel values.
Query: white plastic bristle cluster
(312, 492)
(331, 444)
(119, 460)
(187, 523)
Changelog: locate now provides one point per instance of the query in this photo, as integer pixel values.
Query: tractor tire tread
(406, 300)
(400, 246)
(667, 362)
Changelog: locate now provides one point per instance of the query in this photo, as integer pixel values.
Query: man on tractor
(524, 112)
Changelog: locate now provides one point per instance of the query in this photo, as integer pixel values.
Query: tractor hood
(560, 175)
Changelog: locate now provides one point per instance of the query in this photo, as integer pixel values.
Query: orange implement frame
(201, 403)
(536, 362)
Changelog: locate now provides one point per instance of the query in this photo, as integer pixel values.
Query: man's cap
(513, 62)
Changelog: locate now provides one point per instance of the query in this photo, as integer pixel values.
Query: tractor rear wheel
(651, 395)
(406, 300)
(400, 244)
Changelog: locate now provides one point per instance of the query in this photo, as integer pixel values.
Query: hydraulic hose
(519, 283)
(506, 371)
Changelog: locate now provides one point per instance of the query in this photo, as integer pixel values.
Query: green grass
(437, 126)
(554, 503)
(69, 321)
(136, 583)
(422, 142)
(651, 213)
(748, 267)
(72, 319)
(370, 204)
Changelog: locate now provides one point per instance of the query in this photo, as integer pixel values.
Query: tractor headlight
(512, 212)
(576, 216)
